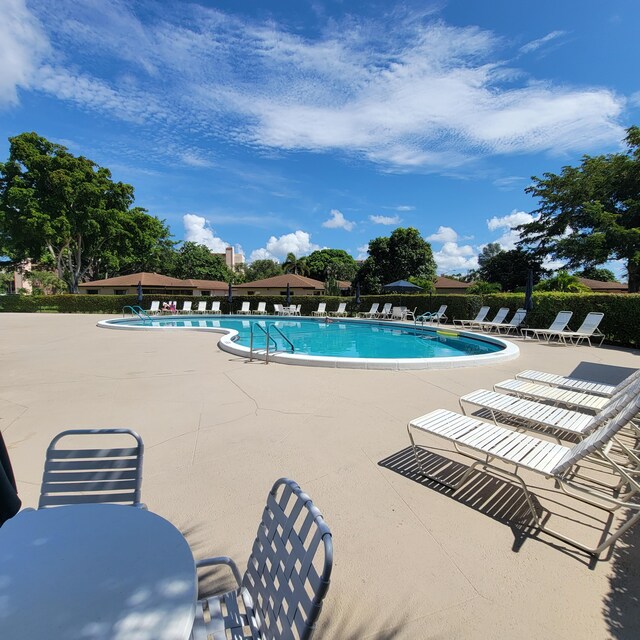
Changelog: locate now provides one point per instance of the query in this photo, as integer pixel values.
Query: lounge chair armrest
(210, 562)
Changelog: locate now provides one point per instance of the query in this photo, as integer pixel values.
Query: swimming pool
(349, 343)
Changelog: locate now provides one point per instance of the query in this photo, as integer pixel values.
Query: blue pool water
(335, 338)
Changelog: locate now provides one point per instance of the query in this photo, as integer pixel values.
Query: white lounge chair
(321, 310)
(577, 384)
(99, 474)
(513, 324)
(504, 452)
(202, 307)
(555, 329)
(385, 312)
(340, 311)
(261, 310)
(215, 307)
(186, 306)
(410, 315)
(480, 316)
(280, 595)
(587, 330)
(245, 309)
(398, 313)
(488, 325)
(436, 316)
(154, 309)
(545, 416)
(371, 313)
(298, 310)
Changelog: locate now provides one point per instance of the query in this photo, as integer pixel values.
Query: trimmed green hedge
(621, 322)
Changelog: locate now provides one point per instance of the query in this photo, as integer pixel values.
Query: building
(231, 258)
(277, 286)
(154, 284)
(449, 285)
(598, 286)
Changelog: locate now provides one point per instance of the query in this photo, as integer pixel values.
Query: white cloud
(536, 44)
(444, 234)
(298, 243)
(22, 45)
(386, 220)
(338, 221)
(455, 257)
(194, 159)
(404, 207)
(363, 252)
(510, 237)
(197, 229)
(405, 93)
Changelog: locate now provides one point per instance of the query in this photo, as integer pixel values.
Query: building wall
(277, 291)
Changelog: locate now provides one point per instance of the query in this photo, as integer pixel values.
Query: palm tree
(294, 265)
(562, 281)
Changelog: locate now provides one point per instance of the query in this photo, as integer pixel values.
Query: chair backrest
(155, 306)
(482, 314)
(322, 307)
(374, 308)
(262, 306)
(591, 323)
(518, 318)
(97, 475)
(215, 306)
(600, 436)
(441, 310)
(561, 321)
(202, 306)
(290, 565)
(627, 381)
(246, 306)
(397, 313)
(501, 315)
(387, 307)
(186, 305)
(277, 308)
(341, 307)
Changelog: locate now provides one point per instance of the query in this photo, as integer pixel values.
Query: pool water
(352, 339)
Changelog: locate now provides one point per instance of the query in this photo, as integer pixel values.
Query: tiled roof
(599, 285)
(154, 280)
(449, 283)
(281, 281)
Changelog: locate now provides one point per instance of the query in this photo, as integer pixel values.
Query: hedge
(621, 323)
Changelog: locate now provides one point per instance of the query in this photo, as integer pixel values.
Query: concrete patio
(410, 561)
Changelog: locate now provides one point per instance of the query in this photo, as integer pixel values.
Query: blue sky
(293, 125)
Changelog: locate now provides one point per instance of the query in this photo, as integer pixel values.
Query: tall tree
(591, 213)
(597, 273)
(196, 261)
(54, 203)
(488, 251)
(509, 269)
(261, 269)
(562, 281)
(337, 261)
(403, 254)
(294, 265)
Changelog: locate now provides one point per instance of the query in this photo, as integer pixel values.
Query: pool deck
(410, 561)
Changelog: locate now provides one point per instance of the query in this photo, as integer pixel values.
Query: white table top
(95, 572)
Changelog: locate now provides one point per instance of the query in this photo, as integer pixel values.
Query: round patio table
(95, 572)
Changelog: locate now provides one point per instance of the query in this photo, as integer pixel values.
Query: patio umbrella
(288, 294)
(401, 286)
(230, 297)
(139, 292)
(357, 292)
(9, 502)
(528, 295)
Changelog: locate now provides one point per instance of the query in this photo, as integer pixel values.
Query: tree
(562, 281)
(405, 253)
(261, 269)
(341, 264)
(45, 282)
(509, 269)
(596, 273)
(294, 265)
(591, 213)
(53, 203)
(482, 287)
(488, 251)
(196, 261)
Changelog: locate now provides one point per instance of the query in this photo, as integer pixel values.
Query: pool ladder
(269, 337)
(136, 310)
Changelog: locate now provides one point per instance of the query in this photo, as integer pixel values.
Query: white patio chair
(498, 319)
(215, 307)
(480, 316)
(261, 310)
(321, 310)
(280, 595)
(202, 307)
(398, 313)
(577, 384)
(587, 330)
(385, 312)
(496, 450)
(410, 315)
(97, 475)
(340, 311)
(371, 313)
(513, 324)
(186, 306)
(298, 311)
(278, 310)
(154, 309)
(244, 309)
(435, 316)
(556, 328)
